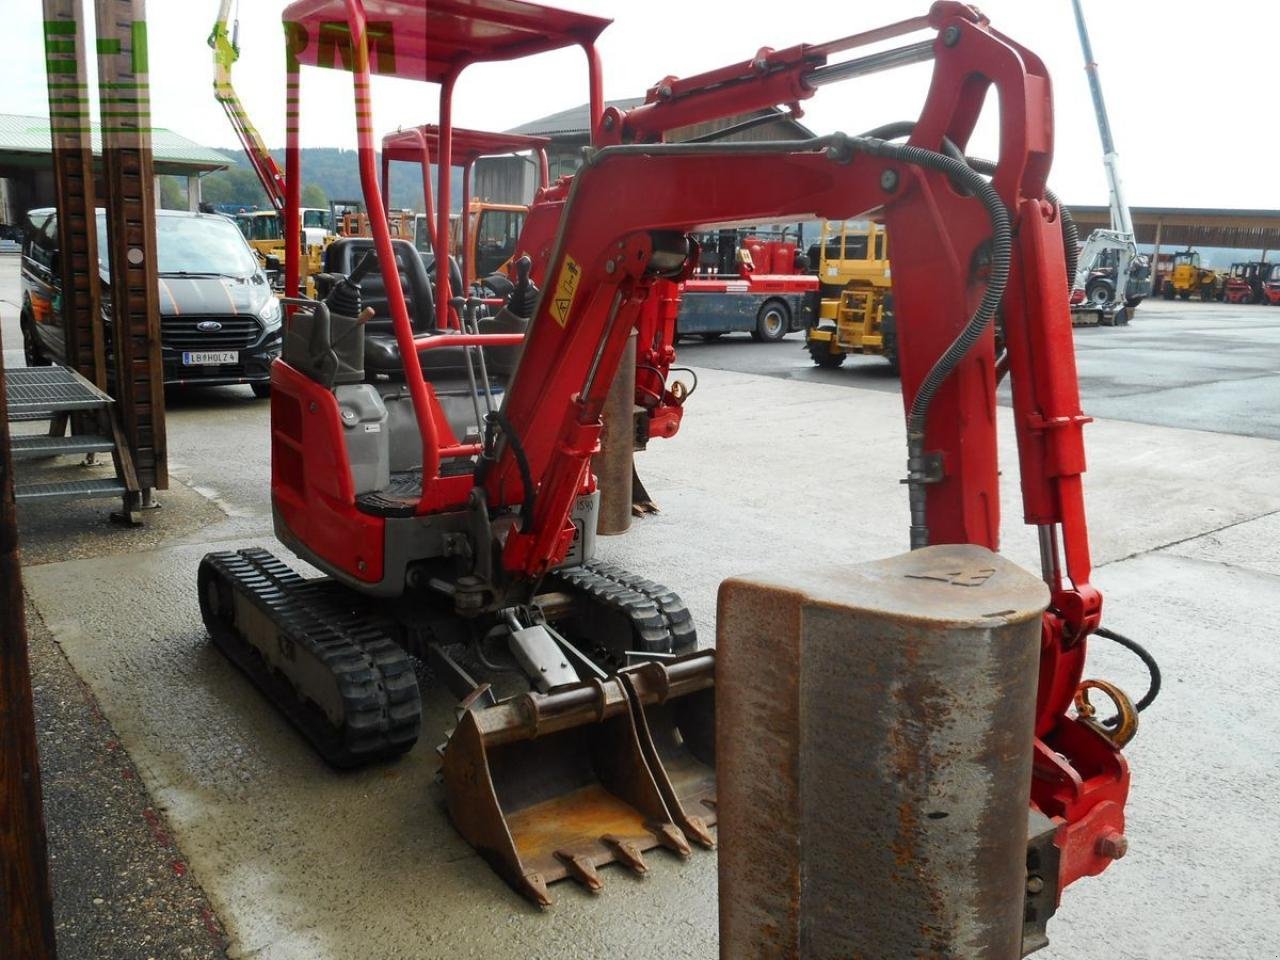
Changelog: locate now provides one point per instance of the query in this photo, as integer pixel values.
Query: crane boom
(226, 51)
(1120, 218)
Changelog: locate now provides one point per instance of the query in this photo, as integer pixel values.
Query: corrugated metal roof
(1192, 226)
(569, 122)
(23, 134)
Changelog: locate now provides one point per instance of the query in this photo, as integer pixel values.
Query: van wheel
(261, 390)
(772, 321)
(30, 345)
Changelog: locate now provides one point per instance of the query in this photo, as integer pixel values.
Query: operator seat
(381, 351)
(382, 359)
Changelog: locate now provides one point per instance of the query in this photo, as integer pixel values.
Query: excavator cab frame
(420, 144)
(596, 764)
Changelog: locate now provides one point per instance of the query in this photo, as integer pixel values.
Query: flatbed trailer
(768, 306)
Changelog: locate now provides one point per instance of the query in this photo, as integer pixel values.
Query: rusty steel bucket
(556, 785)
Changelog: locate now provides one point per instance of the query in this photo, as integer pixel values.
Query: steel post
(612, 465)
(874, 734)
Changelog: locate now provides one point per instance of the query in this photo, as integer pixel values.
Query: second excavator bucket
(677, 733)
(556, 785)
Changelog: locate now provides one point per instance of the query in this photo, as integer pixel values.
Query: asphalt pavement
(778, 466)
(1202, 366)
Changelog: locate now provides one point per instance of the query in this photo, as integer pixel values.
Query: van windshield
(210, 246)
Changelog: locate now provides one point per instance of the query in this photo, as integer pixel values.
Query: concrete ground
(1205, 366)
(775, 468)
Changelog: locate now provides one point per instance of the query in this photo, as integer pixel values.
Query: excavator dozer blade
(641, 503)
(678, 735)
(556, 785)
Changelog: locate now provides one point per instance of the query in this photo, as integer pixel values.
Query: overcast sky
(1190, 86)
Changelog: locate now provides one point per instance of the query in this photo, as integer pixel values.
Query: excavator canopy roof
(468, 145)
(429, 39)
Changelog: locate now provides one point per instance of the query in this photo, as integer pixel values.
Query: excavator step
(317, 651)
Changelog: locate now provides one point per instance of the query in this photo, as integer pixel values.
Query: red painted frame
(599, 265)
(417, 144)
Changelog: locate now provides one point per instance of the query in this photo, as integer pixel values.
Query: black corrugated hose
(1070, 241)
(1153, 668)
(1001, 254)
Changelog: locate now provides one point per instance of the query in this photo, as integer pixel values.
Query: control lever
(524, 296)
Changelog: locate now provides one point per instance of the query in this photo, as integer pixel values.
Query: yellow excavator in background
(855, 314)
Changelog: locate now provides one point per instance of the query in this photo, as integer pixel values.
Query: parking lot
(1200, 366)
(778, 466)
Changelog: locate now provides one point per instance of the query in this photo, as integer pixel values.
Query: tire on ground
(773, 320)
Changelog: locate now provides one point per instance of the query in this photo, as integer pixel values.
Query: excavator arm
(224, 41)
(963, 248)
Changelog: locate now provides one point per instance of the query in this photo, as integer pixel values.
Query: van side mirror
(272, 264)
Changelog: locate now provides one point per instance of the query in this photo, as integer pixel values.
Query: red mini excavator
(435, 461)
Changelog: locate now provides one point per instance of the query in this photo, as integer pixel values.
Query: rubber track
(684, 635)
(382, 710)
(660, 621)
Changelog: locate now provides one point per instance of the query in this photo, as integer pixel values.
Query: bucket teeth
(535, 888)
(582, 869)
(556, 785)
(669, 836)
(696, 829)
(627, 853)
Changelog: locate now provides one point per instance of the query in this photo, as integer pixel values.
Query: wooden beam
(124, 94)
(26, 900)
(68, 85)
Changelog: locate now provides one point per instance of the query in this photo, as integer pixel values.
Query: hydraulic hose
(1153, 668)
(1070, 232)
(1001, 255)
(840, 146)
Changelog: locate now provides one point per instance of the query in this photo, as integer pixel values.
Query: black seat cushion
(382, 357)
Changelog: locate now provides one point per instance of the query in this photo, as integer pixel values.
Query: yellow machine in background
(350, 220)
(1187, 277)
(856, 311)
(494, 231)
(265, 233)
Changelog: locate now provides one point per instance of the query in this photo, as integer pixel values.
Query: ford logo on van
(209, 326)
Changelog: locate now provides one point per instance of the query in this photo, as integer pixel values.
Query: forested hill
(333, 172)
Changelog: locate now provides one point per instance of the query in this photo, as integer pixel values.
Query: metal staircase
(63, 397)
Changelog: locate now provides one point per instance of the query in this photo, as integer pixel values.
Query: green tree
(172, 196)
(313, 195)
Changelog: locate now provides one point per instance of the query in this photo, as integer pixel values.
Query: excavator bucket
(555, 785)
(677, 733)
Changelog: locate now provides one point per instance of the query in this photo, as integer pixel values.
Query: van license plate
(206, 358)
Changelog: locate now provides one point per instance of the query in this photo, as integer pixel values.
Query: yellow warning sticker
(566, 287)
